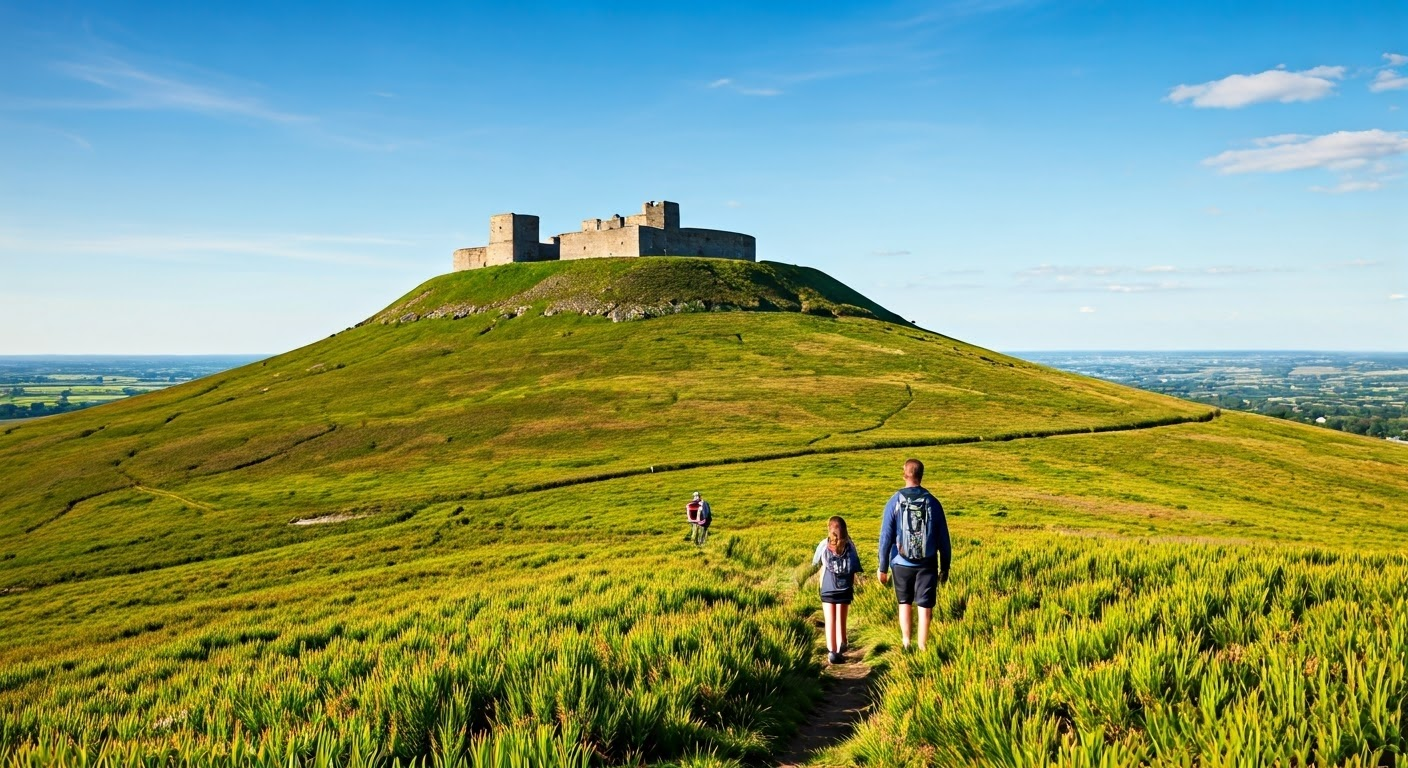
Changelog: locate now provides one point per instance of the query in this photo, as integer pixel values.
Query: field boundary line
(1169, 421)
(69, 506)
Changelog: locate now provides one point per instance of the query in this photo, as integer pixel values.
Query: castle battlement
(655, 231)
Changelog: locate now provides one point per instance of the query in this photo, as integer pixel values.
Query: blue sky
(250, 177)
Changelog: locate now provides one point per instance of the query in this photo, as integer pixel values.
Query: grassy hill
(494, 468)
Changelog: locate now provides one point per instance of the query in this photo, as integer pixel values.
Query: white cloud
(721, 82)
(1395, 297)
(1395, 59)
(1280, 85)
(890, 253)
(1388, 80)
(1349, 185)
(1087, 310)
(1339, 151)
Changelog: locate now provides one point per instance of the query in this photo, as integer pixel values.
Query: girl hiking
(840, 563)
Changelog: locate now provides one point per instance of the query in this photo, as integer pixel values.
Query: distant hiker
(840, 564)
(914, 540)
(700, 515)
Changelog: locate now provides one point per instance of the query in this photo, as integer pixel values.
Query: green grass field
(1137, 579)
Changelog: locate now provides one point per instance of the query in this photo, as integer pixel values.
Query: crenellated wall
(655, 231)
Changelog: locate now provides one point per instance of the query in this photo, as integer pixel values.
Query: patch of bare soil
(324, 519)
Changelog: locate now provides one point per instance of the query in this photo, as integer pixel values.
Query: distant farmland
(45, 385)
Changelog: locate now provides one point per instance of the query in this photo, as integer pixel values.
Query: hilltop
(384, 419)
(633, 289)
(494, 468)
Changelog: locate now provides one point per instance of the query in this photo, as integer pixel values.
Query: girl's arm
(816, 557)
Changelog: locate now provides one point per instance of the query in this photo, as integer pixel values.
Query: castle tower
(512, 237)
(661, 215)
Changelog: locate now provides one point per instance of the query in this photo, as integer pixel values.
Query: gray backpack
(916, 517)
(839, 566)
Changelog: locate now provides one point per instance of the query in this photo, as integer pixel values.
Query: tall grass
(1110, 654)
(581, 668)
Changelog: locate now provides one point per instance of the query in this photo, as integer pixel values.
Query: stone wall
(600, 244)
(471, 258)
(714, 243)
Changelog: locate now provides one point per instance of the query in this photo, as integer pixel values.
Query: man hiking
(914, 544)
(699, 514)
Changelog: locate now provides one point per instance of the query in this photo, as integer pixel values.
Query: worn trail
(846, 697)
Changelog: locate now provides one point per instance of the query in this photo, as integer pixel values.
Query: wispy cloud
(890, 253)
(1339, 151)
(1146, 287)
(956, 11)
(1087, 310)
(76, 139)
(132, 87)
(1395, 297)
(347, 250)
(1129, 279)
(1356, 264)
(1350, 185)
(1281, 85)
(1395, 59)
(729, 84)
(120, 83)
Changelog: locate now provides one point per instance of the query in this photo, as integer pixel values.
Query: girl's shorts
(842, 597)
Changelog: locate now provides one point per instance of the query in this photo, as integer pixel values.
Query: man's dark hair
(914, 468)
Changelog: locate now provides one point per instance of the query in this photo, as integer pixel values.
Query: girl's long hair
(837, 538)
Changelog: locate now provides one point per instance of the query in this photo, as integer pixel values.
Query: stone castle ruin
(655, 231)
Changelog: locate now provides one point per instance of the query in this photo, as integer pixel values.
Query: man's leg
(690, 536)
(924, 615)
(703, 534)
(904, 623)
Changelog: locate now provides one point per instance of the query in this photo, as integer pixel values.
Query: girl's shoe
(835, 658)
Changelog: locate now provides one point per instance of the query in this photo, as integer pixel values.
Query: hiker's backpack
(839, 566)
(693, 508)
(915, 517)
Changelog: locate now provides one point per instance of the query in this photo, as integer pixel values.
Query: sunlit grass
(510, 586)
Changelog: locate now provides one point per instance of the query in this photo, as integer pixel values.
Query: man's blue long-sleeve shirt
(938, 535)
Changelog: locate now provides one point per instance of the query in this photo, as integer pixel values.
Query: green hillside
(494, 469)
